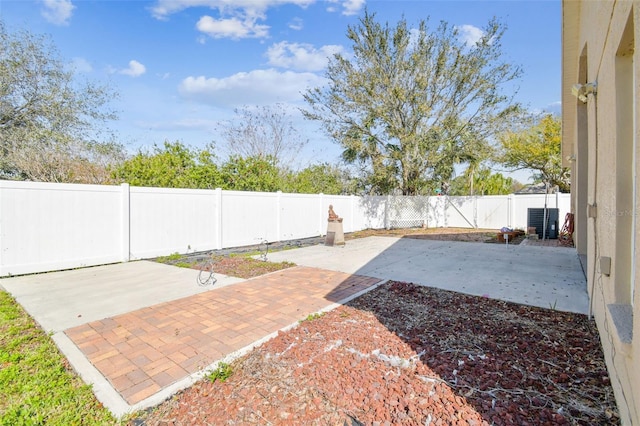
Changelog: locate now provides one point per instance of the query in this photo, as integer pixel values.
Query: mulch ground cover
(412, 355)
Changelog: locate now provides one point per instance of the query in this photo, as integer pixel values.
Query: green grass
(36, 384)
(171, 258)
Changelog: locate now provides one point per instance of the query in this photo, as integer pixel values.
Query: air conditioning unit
(536, 218)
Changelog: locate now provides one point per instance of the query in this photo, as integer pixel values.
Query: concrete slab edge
(353, 296)
(120, 408)
(102, 389)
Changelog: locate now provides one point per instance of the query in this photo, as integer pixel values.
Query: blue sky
(182, 66)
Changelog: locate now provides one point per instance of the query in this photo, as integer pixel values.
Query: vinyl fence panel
(460, 212)
(436, 212)
(300, 216)
(166, 220)
(249, 217)
(493, 211)
(370, 212)
(45, 227)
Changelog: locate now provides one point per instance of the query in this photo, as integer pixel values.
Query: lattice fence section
(407, 212)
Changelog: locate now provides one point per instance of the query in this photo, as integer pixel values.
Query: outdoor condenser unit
(536, 218)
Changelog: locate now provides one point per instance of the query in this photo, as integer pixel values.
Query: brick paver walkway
(143, 351)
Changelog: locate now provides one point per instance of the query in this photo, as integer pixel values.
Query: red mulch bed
(242, 267)
(410, 355)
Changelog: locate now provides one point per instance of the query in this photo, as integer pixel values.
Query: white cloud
(135, 69)
(352, 7)
(470, 35)
(164, 8)
(234, 19)
(255, 87)
(296, 24)
(81, 65)
(301, 56)
(232, 28)
(57, 12)
(349, 7)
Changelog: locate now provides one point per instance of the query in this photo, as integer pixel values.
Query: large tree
(407, 102)
(261, 132)
(50, 122)
(537, 148)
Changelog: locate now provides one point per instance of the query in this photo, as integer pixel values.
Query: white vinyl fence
(47, 227)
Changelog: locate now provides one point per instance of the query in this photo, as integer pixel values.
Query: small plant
(222, 373)
(314, 316)
(184, 264)
(553, 306)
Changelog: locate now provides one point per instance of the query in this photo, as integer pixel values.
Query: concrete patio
(140, 331)
(532, 275)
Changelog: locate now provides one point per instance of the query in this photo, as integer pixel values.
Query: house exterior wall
(600, 143)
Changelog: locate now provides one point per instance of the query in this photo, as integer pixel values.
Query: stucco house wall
(600, 143)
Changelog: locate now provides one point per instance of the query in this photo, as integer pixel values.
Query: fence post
(427, 204)
(475, 211)
(125, 221)
(218, 217)
(278, 216)
(351, 199)
(445, 209)
(511, 212)
(387, 206)
(320, 214)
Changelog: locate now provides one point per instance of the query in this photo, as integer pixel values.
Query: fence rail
(47, 226)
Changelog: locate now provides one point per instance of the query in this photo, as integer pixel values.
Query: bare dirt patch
(442, 234)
